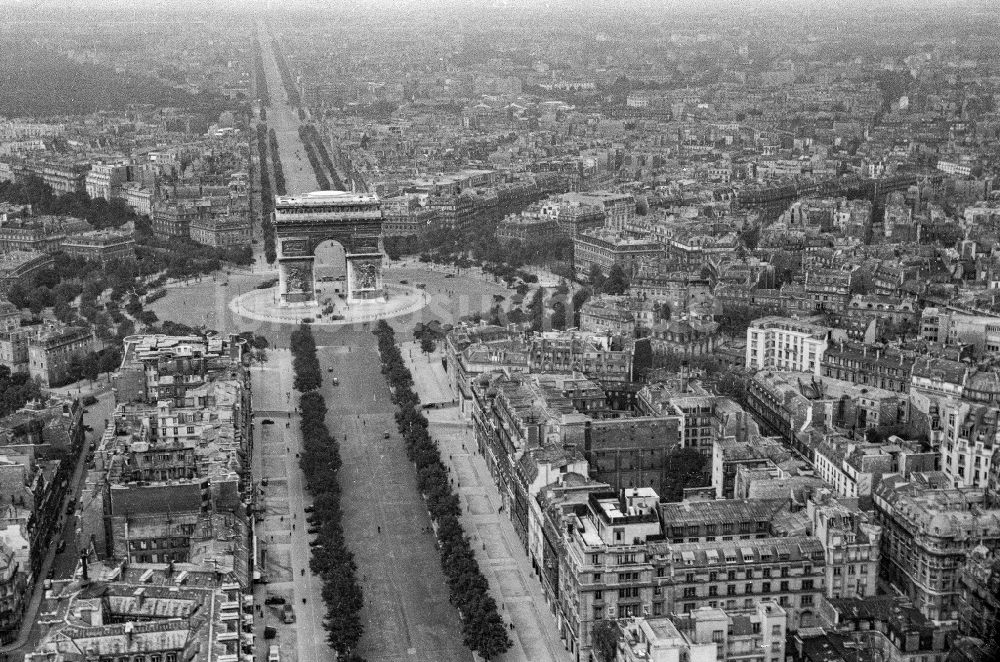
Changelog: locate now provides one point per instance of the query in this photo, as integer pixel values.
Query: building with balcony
(105, 180)
(607, 248)
(102, 246)
(887, 368)
(929, 528)
(707, 634)
(781, 343)
(53, 349)
(13, 590)
(168, 613)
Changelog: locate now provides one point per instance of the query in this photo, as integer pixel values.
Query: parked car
(274, 600)
(309, 509)
(273, 654)
(386, 433)
(313, 530)
(288, 614)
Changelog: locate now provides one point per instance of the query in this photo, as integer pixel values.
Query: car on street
(386, 433)
(263, 481)
(336, 382)
(267, 421)
(273, 655)
(403, 281)
(274, 600)
(288, 614)
(449, 275)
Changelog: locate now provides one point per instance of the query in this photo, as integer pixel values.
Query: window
(807, 600)
(765, 587)
(731, 589)
(748, 588)
(660, 572)
(766, 573)
(775, 630)
(690, 592)
(713, 590)
(597, 576)
(594, 558)
(784, 586)
(718, 636)
(689, 577)
(784, 572)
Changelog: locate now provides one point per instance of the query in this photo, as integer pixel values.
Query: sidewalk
(498, 549)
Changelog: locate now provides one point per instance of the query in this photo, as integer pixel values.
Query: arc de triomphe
(302, 222)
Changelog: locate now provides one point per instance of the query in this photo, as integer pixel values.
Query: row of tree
(321, 179)
(324, 156)
(259, 77)
(279, 172)
(98, 212)
(483, 630)
(286, 75)
(266, 196)
(320, 461)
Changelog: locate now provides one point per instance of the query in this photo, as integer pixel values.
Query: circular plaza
(264, 306)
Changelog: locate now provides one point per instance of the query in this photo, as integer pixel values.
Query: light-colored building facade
(782, 343)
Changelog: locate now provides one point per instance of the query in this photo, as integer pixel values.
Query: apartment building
(102, 246)
(706, 635)
(929, 528)
(851, 544)
(781, 343)
(884, 367)
(971, 438)
(155, 614)
(829, 289)
(608, 248)
(52, 350)
(618, 564)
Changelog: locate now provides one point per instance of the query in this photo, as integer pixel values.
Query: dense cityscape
(499, 330)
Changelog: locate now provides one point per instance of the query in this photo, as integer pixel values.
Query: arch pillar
(296, 283)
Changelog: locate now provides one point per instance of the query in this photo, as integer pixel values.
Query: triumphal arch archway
(302, 222)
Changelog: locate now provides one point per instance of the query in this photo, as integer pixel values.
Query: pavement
(498, 549)
(283, 542)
